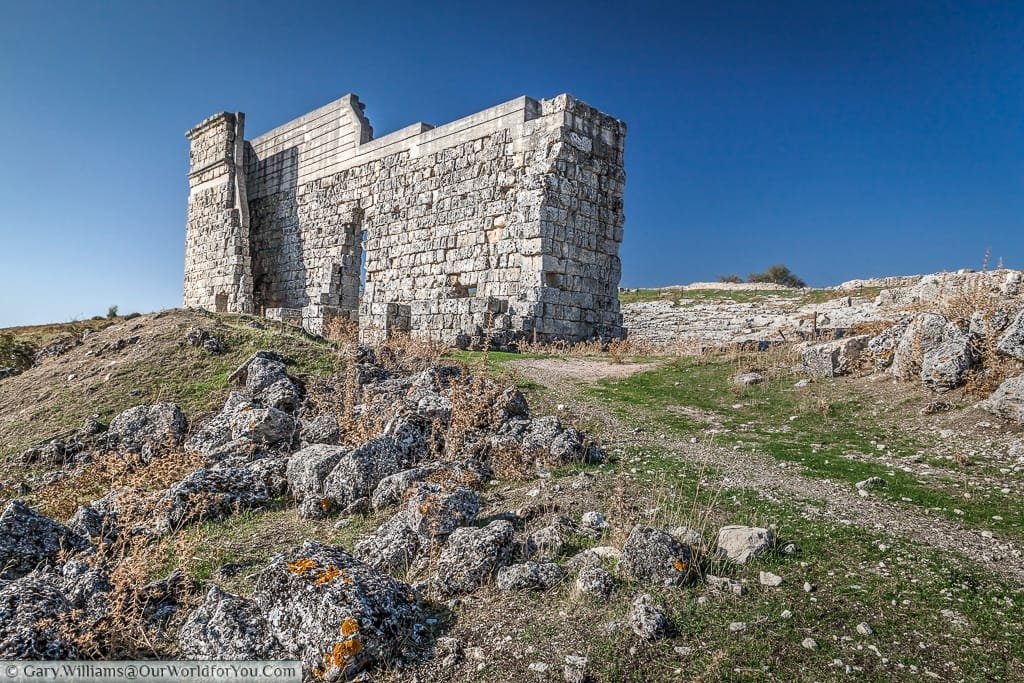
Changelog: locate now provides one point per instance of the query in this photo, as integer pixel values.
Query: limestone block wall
(504, 224)
(218, 268)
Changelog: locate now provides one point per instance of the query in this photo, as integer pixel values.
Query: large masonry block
(500, 226)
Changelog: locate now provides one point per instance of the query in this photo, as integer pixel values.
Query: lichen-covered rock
(158, 425)
(1012, 341)
(308, 469)
(883, 346)
(209, 493)
(595, 582)
(654, 557)
(268, 426)
(216, 431)
(335, 613)
(391, 488)
(29, 539)
(394, 547)
(647, 619)
(944, 366)
(266, 379)
(323, 429)
(359, 471)
(529, 575)
(1007, 401)
(227, 627)
(435, 513)
(472, 556)
(741, 543)
(510, 404)
(545, 543)
(934, 350)
(832, 358)
(549, 442)
(29, 629)
(85, 587)
(410, 440)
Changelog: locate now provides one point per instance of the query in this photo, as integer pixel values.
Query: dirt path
(761, 472)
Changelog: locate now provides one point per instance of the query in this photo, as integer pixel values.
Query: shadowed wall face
(504, 224)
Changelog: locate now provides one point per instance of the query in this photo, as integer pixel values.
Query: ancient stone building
(507, 222)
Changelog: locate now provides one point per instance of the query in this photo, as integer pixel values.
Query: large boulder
(741, 543)
(1012, 341)
(209, 493)
(308, 469)
(158, 425)
(30, 609)
(243, 421)
(266, 378)
(359, 471)
(394, 547)
(227, 627)
(883, 346)
(935, 350)
(472, 556)
(1007, 401)
(832, 358)
(334, 613)
(29, 539)
(654, 557)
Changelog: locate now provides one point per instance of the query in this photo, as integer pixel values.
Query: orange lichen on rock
(681, 566)
(330, 573)
(300, 567)
(349, 627)
(342, 652)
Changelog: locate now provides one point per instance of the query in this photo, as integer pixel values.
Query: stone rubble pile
(339, 610)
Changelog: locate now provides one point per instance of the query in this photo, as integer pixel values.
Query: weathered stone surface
(161, 424)
(323, 429)
(391, 488)
(832, 358)
(493, 228)
(652, 556)
(594, 581)
(29, 539)
(471, 557)
(227, 627)
(394, 547)
(741, 543)
(333, 612)
(1012, 341)
(934, 350)
(529, 575)
(308, 469)
(647, 619)
(359, 471)
(209, 493)
(268, 426)
(1007, 400)
(29, 608)
(883, 346)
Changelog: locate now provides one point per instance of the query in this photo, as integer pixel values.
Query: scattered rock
(1012, 341)
(748, 379)
(158, 425)
(647, 619)
(871, 484)
(723, 584)
(809, 644)
(530, 575)
(202, 339)
(741, 543)
(654, 557)
(594, 521)
(30, 609)
(594, 581)
(308, 469)
(471, 557)
(359, 471)
(323, 429)
(864, 629)
(770, 580)
(832, 358)
(29, 539)
(737, 627)
(209, 493)
(575, 669)
(1007, 401)
(227, 627)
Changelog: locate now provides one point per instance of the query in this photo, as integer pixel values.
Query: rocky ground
(190, 485)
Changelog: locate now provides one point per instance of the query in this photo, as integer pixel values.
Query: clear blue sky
(845, 139)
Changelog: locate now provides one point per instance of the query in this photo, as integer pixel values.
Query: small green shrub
(16, 353)
(780, 275)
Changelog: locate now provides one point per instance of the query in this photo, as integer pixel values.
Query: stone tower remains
(503, 225)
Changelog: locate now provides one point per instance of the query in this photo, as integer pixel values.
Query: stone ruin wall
(507, 222)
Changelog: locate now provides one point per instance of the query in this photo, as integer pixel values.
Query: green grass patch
(831, 434)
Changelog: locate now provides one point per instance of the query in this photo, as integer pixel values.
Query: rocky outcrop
(1007, 401)
(159, 425)
(832, 358)
(29, 540)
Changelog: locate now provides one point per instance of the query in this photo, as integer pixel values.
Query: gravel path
(746, 469)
